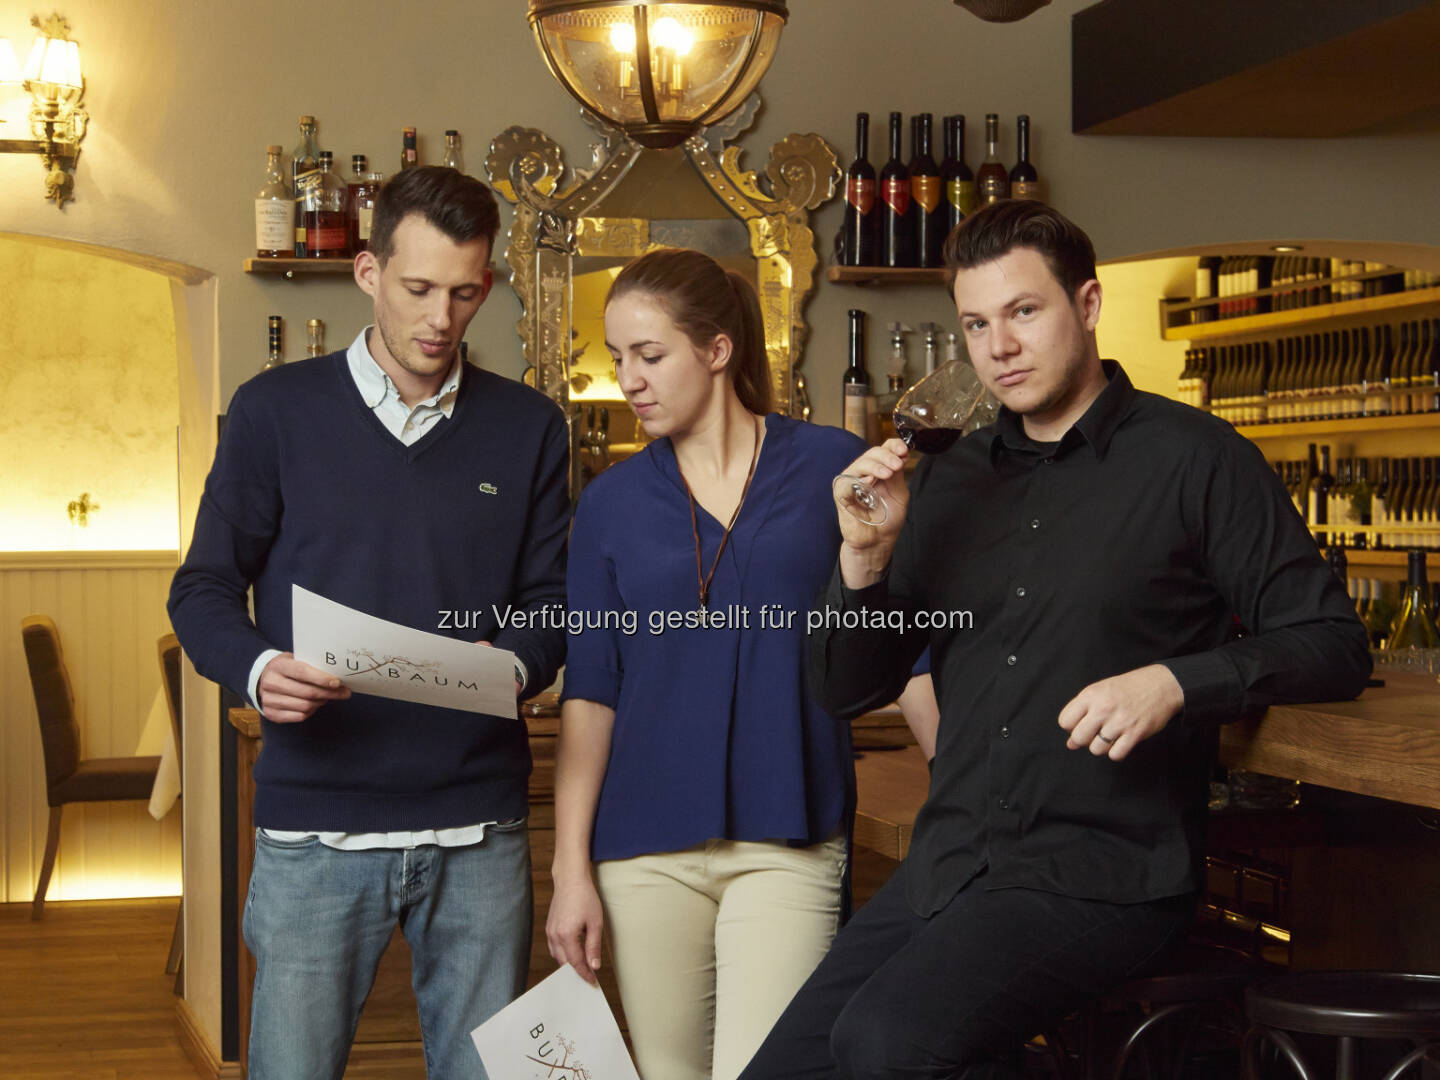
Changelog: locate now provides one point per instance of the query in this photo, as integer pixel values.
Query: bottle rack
(1175, 314)
(886, 275)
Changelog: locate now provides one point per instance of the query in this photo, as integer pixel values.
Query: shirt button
(1011, 659)
(1005, 732)
(1034, 523)
(1002, 804)
(1020, 590)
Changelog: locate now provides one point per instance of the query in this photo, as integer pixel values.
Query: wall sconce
(52, 78)
(658, 71)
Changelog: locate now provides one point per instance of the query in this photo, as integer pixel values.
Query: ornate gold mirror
(571, 236)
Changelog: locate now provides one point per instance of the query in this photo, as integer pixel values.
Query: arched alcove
(111, 372)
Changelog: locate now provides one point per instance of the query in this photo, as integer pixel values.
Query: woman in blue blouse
(701, 794)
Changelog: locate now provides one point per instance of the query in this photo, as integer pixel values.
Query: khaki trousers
(711, 943)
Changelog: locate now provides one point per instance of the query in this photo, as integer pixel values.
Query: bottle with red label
(925, 195)
(897, 219)
(323, 213)
(857, 239)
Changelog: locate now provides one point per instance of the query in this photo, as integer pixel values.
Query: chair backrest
(169, 649)
(54, 700)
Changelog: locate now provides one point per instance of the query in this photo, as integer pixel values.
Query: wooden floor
(84, 994)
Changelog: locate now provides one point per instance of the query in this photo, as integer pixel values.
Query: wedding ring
(1105, 738)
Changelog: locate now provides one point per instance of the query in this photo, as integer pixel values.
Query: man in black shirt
(1077, 569)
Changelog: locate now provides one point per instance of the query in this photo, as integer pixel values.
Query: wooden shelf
(1385, 559)
(887, 275)
(289, 267)
(1294, 317)
(1352, 425)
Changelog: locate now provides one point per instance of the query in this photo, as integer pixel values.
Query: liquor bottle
(323, 212)
(992, 180)
(897, 219)
(409, 156)
(856, 381)
(274, 211)
(304, 169)
(359, 170)
(453, 157)
(360, 209)
(925, 195)
(1414, 626)
(858, 233)
(275, 356)
(314, 337)
(959, 181)
(895, 376)
(1024, 181)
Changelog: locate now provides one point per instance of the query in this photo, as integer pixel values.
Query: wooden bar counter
(1385, 744)
(1365, 886)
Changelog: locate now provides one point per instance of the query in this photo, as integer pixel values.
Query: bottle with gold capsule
(314, 337)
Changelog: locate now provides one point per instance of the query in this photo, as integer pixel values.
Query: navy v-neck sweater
(309, 488)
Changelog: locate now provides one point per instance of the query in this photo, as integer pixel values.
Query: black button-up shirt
(1138, 538)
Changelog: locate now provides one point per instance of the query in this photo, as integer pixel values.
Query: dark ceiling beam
(1274, 68)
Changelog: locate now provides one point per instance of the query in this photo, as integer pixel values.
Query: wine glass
(929, 417)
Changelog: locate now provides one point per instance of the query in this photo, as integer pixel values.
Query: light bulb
(622, 37)
(667, 33)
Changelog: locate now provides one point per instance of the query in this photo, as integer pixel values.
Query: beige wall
(184, 95)
(89, 386)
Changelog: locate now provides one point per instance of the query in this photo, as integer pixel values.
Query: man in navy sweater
(396, 479)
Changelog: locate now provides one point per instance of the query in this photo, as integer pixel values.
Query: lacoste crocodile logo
(489, 489)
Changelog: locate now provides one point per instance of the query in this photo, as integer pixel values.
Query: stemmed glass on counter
(929, 417)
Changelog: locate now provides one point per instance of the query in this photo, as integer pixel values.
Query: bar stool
(1348, 1006)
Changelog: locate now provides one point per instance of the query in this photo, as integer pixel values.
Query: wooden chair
(68, 777)
(168, 648)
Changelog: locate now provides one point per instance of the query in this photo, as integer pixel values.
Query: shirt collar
(1096, 427)
(374, 385)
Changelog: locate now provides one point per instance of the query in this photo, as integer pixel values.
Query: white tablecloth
(157, 738)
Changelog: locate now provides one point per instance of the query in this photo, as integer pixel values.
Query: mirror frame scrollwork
(556, 221)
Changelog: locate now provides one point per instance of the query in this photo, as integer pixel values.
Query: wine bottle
(925, 195)
(1319, 491)
(409, 155)
(1024, 180)
(274, 350)
(959, 181)
(856, 380)
(897, 218)
(274, 211)
(1414, 626)
(992, 180)
(1206, 271)
(858, 232)
(304, 169)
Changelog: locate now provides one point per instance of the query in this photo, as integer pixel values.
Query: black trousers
(959, 993)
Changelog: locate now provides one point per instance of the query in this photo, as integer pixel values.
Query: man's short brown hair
(460, 206)
(997, 229)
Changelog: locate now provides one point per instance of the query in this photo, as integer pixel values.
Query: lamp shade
(1002, 10)
(659, 71)
(54, 60)
(9, 65)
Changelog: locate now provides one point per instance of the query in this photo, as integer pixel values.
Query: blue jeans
(957, 994)
(318, 920)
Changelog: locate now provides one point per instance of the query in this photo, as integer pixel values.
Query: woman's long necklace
(702, 578)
